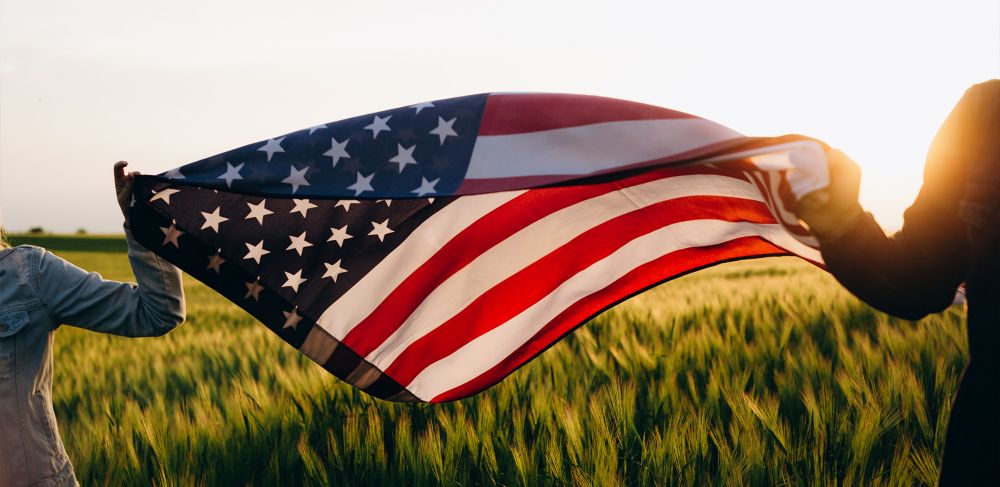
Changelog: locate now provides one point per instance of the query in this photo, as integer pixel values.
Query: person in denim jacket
(38, 292)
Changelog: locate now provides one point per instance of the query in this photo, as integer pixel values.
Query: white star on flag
(339, 235)
(364, 183)
(272, 146)
(255, 252)
(338, 150)
(421, 106)
(164, 195)
(404, 156)
(258, 211)
(334, 270)
(298, 243)
(253, 290)
(379, 125)
(315, 128)
(174, 174)
(426, 187)
(292, 318)
(380, 230)
(213, 219)
(232, 173)
(294, 280)
(214, 262)
(296, 178)
(302, 206)
(171, 235)
(444, 129)
(346, 204)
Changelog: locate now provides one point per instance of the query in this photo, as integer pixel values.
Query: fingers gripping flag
(426, 252)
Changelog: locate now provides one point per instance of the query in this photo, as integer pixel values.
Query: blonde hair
(3, 239)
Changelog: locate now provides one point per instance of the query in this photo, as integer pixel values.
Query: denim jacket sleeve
(151, 307)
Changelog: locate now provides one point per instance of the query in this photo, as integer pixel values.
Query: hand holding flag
(123, 187)
(832, 210)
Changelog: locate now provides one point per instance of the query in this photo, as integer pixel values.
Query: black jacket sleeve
(910, 274)
(916, 271)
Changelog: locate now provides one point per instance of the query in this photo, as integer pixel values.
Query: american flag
(426, 252)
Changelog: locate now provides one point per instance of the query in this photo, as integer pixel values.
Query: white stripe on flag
(359, 301)
(587, 149)
(539, 239)
(803, 160)
(484, 352)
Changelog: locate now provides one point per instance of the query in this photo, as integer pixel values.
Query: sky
(162, 84)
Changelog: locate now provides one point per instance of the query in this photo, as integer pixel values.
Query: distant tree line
(41, 231)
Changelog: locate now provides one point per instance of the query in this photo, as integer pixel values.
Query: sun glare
(84, 85)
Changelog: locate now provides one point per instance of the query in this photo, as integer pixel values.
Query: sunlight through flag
(426, 252)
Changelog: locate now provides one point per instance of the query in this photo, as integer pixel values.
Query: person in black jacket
(950, 235)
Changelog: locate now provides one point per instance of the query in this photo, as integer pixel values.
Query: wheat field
(760, 372)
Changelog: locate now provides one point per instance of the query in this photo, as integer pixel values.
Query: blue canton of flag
(415, 151)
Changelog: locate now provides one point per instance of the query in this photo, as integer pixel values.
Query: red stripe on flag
(520, 113)
(536, 281)
(652, 273)
(479, 237)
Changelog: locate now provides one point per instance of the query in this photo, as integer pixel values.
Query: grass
(76, 243)
(761, 372)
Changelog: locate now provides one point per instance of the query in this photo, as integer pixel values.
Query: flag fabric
(426, 252)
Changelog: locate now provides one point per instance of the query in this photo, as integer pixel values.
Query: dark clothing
(950, 235)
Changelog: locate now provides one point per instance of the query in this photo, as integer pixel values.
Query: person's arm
(916, 271)
(911, 274)
(151, 307)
